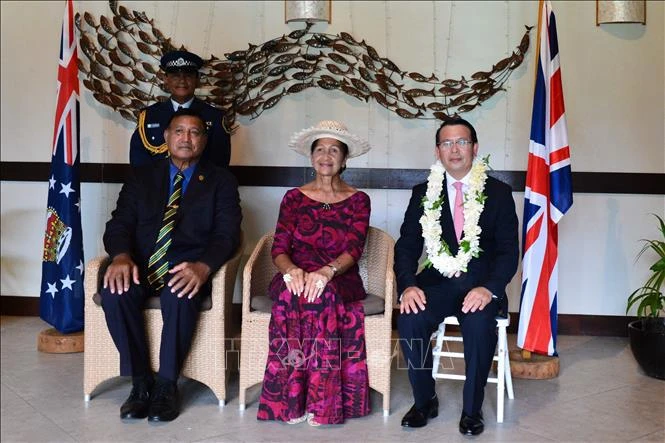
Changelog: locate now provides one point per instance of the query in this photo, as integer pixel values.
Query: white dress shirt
(185, 105)
(452, 192)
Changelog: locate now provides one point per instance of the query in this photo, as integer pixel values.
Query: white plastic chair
(501, 357)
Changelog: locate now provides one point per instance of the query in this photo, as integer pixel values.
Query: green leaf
(649, 298)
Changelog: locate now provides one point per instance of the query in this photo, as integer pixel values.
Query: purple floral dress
(317, 361)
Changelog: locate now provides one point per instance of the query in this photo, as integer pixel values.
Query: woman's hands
(307, 284)
(315, 282)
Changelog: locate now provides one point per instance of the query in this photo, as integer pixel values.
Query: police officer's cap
(180, 61)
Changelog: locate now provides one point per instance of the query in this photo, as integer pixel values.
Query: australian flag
(61, 296)
(547, 197)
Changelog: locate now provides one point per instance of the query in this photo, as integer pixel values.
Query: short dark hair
(345, 151)
(454, 122)
(189, 112)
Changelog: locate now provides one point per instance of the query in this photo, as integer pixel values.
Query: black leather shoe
(164, 404)
(138, 402)
(471, 424)
(417, 417)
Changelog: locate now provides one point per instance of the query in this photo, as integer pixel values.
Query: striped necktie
(158, 266)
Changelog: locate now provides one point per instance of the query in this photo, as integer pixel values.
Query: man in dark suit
(176, 222)
(181, 70)
(475, 294)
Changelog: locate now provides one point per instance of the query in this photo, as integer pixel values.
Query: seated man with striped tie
(466, 223)
(176, 222)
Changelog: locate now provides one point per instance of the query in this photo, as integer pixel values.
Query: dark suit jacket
(493, 269)
(207, 226)
(218, 148)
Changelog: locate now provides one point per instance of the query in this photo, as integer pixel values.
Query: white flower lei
(438, 252)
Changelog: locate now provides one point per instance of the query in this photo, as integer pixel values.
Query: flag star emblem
(66, 189)
(51, 183)
(80, 266)
(52, 289)
(78, 204)
(67, 283)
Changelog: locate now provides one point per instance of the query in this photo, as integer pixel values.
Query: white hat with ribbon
(301, 141)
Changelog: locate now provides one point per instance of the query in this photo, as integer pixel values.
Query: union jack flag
(61, 298)
(548, 195)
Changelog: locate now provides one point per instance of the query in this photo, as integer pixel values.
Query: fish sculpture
(119, 65)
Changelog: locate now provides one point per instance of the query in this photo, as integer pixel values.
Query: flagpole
(525, 353)
(541, 4)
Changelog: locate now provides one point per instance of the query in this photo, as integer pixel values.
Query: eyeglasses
(461, 143)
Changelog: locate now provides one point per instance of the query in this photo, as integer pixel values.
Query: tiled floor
(600, 395)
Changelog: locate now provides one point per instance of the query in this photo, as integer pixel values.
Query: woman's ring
(287, 278)
(320, 284)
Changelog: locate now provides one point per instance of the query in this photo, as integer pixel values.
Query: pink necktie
(458, 217)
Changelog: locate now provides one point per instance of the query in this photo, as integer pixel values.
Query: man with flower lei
(471, 258)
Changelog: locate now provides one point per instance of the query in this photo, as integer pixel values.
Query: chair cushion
(372, 304)
(153, 302)
(261, 303)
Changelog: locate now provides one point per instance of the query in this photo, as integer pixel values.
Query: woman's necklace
(325, 205)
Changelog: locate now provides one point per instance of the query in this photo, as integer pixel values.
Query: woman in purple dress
(317, 363)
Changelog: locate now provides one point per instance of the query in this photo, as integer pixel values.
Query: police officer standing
(182, 79)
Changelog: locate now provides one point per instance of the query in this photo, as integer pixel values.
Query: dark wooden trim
(574, 324)
(577, 324)
(366, 178)
(21, 306)
(569, 324)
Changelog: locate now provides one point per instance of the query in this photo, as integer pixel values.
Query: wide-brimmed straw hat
(301, 141)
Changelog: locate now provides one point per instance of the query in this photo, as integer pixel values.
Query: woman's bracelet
(334, 269)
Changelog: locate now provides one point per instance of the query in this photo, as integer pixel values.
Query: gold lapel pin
(201, 177)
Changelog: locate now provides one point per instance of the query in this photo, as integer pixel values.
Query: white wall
(613, 78)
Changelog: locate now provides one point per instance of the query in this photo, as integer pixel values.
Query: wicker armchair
(206, 361)
(376, 270)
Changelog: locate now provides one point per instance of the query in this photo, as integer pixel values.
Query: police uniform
(147, 143)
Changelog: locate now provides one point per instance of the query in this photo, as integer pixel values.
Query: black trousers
(124, 318)
(480, 338)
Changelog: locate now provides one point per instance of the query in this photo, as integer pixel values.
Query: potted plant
(647, 333)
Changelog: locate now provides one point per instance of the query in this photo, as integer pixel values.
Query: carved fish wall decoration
(120, 66)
